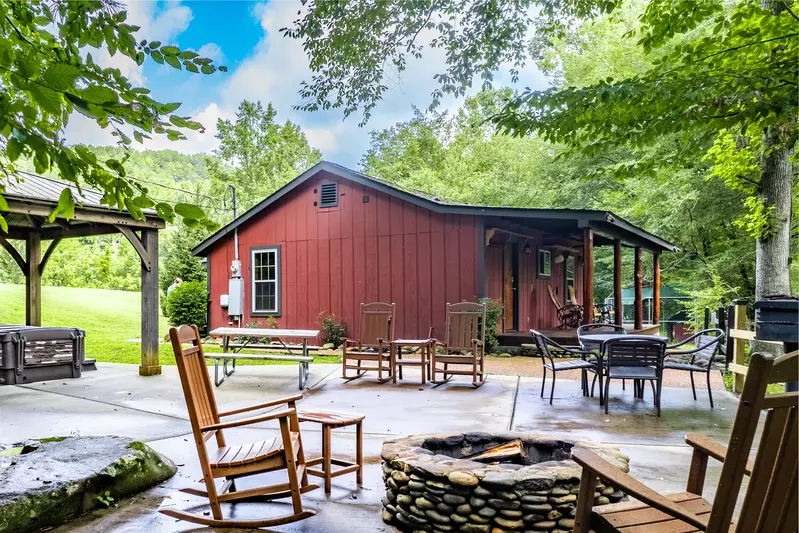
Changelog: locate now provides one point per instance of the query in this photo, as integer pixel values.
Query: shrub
(187, 304)
(494, 313)
(333, 331)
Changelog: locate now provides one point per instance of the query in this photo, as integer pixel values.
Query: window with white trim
(569, 277)
(266, 280)
(544, 263)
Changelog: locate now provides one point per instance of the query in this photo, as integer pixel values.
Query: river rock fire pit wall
(430, 487)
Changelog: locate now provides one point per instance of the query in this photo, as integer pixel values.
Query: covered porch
(30, 202)
(540, 262)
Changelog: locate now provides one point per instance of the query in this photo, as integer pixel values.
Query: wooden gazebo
(30, 202)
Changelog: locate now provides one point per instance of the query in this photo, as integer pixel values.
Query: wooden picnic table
(254, 333)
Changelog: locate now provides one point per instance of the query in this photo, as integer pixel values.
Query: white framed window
(569, 276)
(265, 274)
(544, 263)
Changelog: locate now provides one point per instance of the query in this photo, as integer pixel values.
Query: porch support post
(618, 305)
(656, 288)
(588, 275)
(33, 280)
(149, 305)
(639, 290)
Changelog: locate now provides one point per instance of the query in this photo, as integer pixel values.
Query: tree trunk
(773, 251)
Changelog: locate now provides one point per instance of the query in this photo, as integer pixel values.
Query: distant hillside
(161, 166)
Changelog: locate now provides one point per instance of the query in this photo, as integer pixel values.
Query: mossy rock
(65, 478)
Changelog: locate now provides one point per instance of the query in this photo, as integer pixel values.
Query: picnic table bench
(250, 334)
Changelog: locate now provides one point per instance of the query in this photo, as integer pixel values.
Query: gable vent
(328, 195)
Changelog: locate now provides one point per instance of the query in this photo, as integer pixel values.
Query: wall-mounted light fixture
(526, 247)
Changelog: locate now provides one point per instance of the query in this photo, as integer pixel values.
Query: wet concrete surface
(629, 420)
(115, 400)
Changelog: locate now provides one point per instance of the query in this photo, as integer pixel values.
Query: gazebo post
(618, 304)
(33, 279)
(149, 305)
(639, 290)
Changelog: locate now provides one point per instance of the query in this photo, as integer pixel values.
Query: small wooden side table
(423, 361)
(329, 421)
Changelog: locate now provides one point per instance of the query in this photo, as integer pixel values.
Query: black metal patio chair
(638, 358)
(587, 329)
(544, 346)
(702, 356)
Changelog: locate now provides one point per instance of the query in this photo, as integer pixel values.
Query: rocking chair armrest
(352, 342)
(264, 405)
(628, 484)
(283, 413)
(712, 449)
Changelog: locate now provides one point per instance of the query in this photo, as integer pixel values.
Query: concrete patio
(116, 401)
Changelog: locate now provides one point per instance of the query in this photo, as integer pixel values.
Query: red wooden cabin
(333, 238)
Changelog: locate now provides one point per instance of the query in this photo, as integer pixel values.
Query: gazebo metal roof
(32, 198)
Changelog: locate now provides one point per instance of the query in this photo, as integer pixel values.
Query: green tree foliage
(47, 72)
(188, 304)
(263, 155)
(103, 262)
(643, 115)
(177, 260)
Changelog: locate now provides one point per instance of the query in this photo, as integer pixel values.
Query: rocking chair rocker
(232, 462)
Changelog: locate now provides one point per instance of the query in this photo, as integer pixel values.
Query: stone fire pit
(430, 487)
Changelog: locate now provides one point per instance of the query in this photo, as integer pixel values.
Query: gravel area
(531, 367)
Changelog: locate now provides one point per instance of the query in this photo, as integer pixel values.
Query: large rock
(65, 478)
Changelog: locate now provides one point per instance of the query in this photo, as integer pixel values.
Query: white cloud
(212, 51)
(323, 139)
(274, 72)
(196, 142)
(164, 24)
(82, 130)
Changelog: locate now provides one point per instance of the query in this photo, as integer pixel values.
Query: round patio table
(591, 340)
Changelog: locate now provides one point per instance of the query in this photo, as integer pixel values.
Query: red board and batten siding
(334, 259)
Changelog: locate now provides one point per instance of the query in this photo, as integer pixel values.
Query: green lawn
(109, 318)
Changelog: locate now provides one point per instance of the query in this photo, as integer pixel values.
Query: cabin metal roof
(602, 221)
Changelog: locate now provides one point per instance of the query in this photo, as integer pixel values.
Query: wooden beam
(588, 275)
(33, 281)
(14, 253)
(36, 222)
(639, 290)
(618, 304)
(78, 230)
(99, 215)
(656, 288)
(144, 254)
(48, 253)
(149, 306)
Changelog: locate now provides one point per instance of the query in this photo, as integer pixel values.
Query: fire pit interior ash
(484, 482)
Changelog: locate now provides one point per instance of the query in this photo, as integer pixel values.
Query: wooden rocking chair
(569, 316)
(771, 503)
(232, 462)
(463, 345)
(376, 334)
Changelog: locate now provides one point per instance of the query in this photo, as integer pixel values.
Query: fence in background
(675, 321)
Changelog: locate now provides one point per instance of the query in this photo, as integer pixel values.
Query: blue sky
(262, 66)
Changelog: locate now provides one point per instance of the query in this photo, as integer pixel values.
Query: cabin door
(510, 289)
